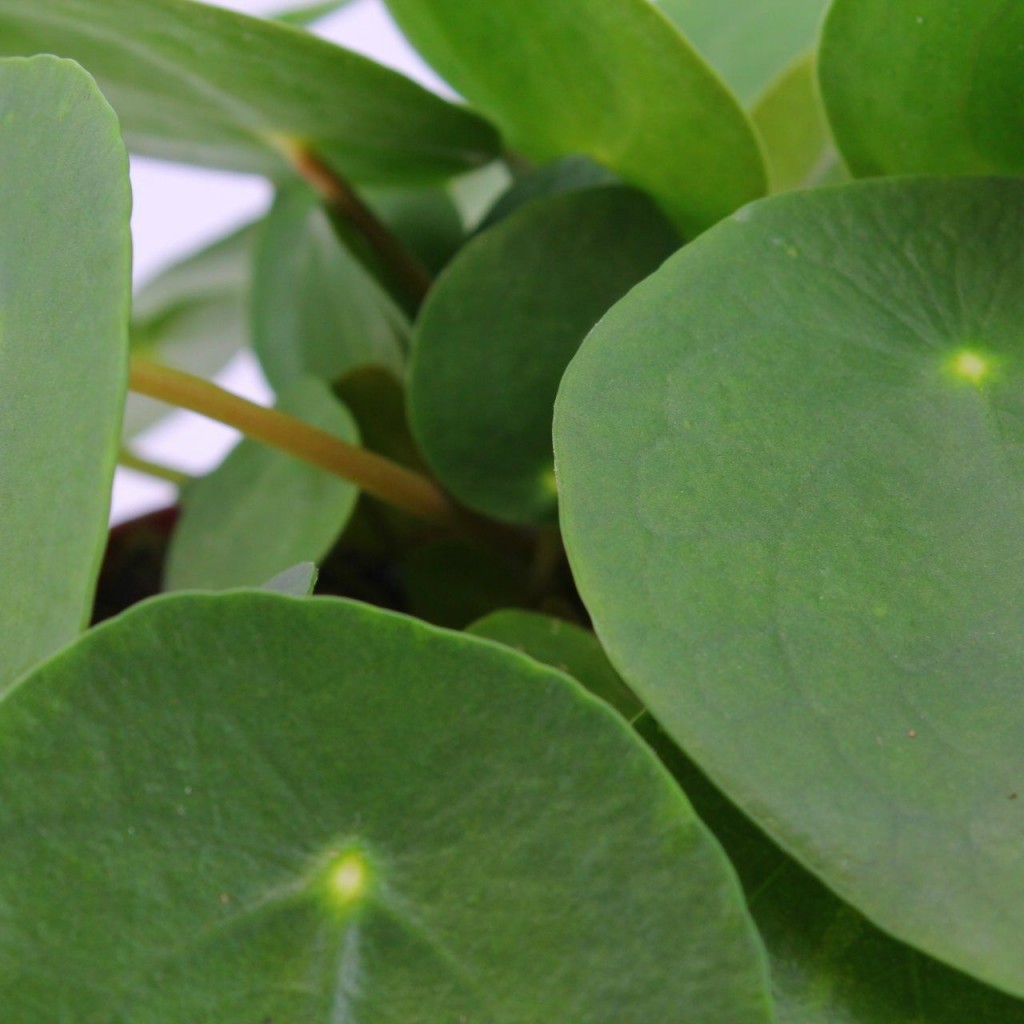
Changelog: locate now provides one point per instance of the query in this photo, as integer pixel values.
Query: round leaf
(248, 806)
(499, 328)
(199, 84)
(262, 510)
(615, 81)
(936, 86)
(793, 498)
(65, 289)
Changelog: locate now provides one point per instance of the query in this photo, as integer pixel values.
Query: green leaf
(204, 85)
(936, 86)
(748, 42)
(315, 309)
(193, 317)
(65, 288)
(568, 174)
(491, 344)
(792, 493)
(247, 806)
(306, 14)
(298, 581)
(612, 80)
(798, 145)
(261, 510)
(828, 964)
(564, 646)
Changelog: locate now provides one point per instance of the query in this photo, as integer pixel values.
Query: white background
(178, 209)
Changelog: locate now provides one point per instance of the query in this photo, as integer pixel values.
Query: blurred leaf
(65, 287)
(568, 174)
(194, 317)
(797, 141)
(262, 510)
(203, 85)
(315, 310)
(932, 87)
(298, 581)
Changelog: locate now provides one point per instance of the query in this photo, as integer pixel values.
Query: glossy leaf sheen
(203, 85)
(491, 345)
(194, 317)
(324, 812)
(65, 288)
(315, 310)
(829, 965)
(615, 81)
(564, 646)
(748, 42)
(263, 510)
(793, 497)
(933, 87)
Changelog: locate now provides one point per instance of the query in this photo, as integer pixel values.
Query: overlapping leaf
(793, 496)
(748, 42)
(254, 807)
(204, 85)
(501, 325)
(262, 510)
(932, 87)
(65, 288)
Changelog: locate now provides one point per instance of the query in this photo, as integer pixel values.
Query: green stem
(372, 473)
(127, 458)
(408, 273)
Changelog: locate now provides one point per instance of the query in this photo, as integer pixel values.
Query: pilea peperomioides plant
(706, 711)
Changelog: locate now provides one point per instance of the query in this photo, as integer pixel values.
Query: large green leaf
(748, 42)
(247, 807)
(262, 510)
(613, 80)
(193, 317)
(934, 86)
(828, 964)
(65, 288)
(204, 85)
(792, 489)
(499, 328)
(315, 310)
